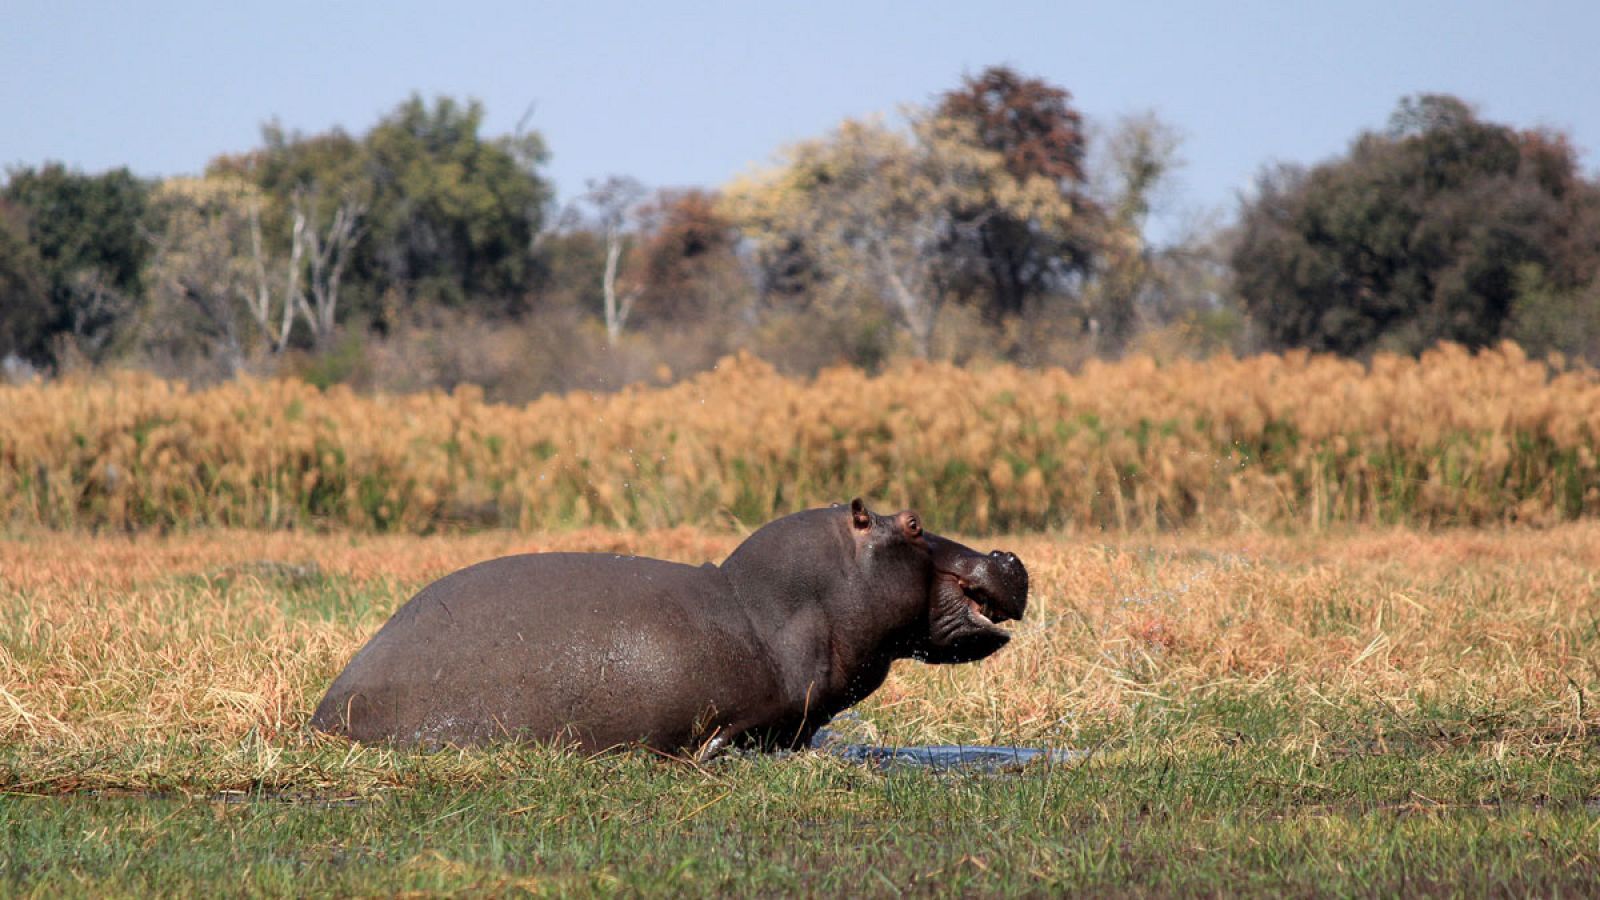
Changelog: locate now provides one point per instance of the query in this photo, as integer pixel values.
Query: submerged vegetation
(1376, 711)
(1293, 440)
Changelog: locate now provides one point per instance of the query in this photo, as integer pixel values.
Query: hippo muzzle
(971, 594)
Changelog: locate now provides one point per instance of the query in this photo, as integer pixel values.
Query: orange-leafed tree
(686, 258)
(1010, 261)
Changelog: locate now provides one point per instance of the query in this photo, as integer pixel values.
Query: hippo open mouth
(982, 605)
(973, 593)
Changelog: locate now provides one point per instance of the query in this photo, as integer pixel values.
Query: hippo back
(601, 649)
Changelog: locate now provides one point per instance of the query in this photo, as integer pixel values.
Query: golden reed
(1296, 439)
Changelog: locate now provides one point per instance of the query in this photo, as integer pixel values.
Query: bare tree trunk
(328, 261)
(260, 303)
(617, 310)
(616, 200)
(917, 311)
(292, 296)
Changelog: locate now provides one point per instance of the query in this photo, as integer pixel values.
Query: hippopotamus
(802, 620)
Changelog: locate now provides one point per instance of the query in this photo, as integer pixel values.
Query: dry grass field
(219, 635)
(1281, 441)
(1319, 627)
(1354, 711)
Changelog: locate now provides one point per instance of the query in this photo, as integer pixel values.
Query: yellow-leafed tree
(883, 212)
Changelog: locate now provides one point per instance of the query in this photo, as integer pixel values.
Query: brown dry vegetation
(1346, 643)
(1298, 440)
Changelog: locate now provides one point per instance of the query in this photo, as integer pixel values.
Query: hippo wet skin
(802, 620)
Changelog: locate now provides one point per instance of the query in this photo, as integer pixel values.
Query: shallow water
(947, 757)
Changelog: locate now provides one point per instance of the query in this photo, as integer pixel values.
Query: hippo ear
(860, 516)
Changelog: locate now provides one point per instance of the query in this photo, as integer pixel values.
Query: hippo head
(953, 596)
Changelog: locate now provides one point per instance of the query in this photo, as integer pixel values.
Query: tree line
(986, 224)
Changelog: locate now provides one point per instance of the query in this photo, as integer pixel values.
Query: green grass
(1203, 805)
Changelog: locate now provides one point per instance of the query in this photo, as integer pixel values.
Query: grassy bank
(1170, 820)
(1370, 711)
(1294, 441)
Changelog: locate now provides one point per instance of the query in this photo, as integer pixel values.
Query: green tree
(447, 216)
(1560, 312)
(1427, 231)
(453, 214)
(1011, 261)
(24, 293)
(88, 233)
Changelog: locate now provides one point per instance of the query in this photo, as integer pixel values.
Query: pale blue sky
(693, 93)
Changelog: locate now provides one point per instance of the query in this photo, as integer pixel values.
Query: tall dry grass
(226, 640)
(1296, 439)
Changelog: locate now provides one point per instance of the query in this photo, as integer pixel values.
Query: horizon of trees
(1441, 227)
(993, 222)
